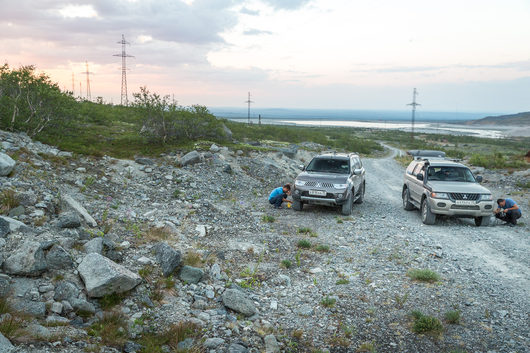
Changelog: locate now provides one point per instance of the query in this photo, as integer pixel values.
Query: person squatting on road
(508, 211)
(279, 195)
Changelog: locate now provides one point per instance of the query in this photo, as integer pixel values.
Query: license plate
(465, 202)
(317, 192)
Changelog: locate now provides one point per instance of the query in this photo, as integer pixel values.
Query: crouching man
(508, 211)
(279, 195)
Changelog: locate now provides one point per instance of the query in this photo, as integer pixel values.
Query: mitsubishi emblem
(464, 197)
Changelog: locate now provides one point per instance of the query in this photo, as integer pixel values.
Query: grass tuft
(304, 244)
(423, 275)
(452, 317)
(328, 302)
(268, 219)
(426, 324)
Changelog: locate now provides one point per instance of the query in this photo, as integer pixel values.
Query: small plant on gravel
(112, 329)
(169, 282)
(342, 281)
(177, 193)
(304, 230)
(268, 219)
(192, 258)
(328, 302)
(11, 321)
(304, 244)
(401, 299)
(452, 317)
(367, 347)
(322, 248)
(146, 272)
(8, 200)
(424, 275)
(111, 300)
(426, 324)
(286, 263)
(297, 258)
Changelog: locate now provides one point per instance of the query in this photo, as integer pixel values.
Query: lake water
(427, 122)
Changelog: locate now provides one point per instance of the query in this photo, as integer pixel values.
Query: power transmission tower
(73, 85)
(124, 55)
(414, 105)
(87, 73)
(249, 101)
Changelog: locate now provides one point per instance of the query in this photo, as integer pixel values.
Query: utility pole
(123, 55)
(87, 73)
(414, 105)
(248, 102)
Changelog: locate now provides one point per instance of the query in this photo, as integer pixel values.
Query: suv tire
(360, 199)
(347, 206)
(297, 205)
(482, 221)
(407, 205)
(427, 216)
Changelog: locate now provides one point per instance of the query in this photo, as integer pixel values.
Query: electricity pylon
(414, 105)
(123, 55)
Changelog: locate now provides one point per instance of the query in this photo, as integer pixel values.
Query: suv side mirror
(479, 178)
(301, 166)
(419, 176)
(357, 171)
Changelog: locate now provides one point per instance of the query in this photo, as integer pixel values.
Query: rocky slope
(191, 239)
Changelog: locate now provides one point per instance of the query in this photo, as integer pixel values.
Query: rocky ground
(192, 239)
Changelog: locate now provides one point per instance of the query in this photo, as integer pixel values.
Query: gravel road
(484, 275)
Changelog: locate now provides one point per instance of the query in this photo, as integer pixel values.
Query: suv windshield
(329, 165)
(450, 174)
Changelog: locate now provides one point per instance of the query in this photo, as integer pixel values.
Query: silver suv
(442, 187)
(333, 179)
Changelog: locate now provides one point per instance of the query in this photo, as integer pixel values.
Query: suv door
(357, 178)
(415, 185)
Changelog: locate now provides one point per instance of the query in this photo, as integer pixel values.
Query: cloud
(255, 32)
(286, 4)
(247, 11)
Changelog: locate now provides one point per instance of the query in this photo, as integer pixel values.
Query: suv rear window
(329, 165)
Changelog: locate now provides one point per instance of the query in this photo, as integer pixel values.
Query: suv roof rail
(426, 153)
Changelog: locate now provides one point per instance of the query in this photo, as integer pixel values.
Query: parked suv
(438, 186)
(333, 179)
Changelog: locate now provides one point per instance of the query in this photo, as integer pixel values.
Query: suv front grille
(318, 185)
(463, 196)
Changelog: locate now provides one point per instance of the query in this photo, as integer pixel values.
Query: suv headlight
(299, 182)
(340, 186)
(486, 197)
(439, 195)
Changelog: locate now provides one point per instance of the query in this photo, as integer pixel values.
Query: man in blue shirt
(508, 211)
(279, 195)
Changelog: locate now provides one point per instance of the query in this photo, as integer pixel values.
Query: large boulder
(28, 260)
(238, 301)
(69, 203)
(190, 274)
(6, 164)
(103, 276)
(167, 257)
(14, 225)
(58, 258)
(191, 158)
(5, 345)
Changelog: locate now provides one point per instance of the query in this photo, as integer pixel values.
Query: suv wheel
(407, 205)
(482, 221)
(427, 216)
(360, 199)
(297, 205)
(347, 206)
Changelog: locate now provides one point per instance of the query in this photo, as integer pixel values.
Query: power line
(249, 101)
(414, 105)
(87, 73)
(124, 55)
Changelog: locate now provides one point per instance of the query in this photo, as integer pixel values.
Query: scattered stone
(238, 301)
(70, 203)
(167, 257)
(271, 345)
(28, 260)
(69, 220)
(212, 343)
(5, 345)
(191, 158)
(190, 274)
(30, 307)
(94, 245)
(103, 276)
(144, 161)
(65, 290)
(58, 258)
(7, 164)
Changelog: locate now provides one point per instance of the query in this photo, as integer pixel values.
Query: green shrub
(322, 248)
(268, 219)
(424, 275)
(328, 302)
(304, 244)
(452, 317)
(426, 324)
(286, 263)
(342, 281)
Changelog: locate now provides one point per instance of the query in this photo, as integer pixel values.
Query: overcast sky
(461, 55)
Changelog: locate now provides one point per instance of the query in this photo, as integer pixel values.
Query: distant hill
(521, 119)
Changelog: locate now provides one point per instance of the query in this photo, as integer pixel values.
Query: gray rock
(58, 258)
(214, 342)
(190, 274)
(28, 260)
(33, 308)
(305, 310)
(94, 246)
(185, 345)
(81, 305)
(214, 148)
(132, 347)
(5, 285)
(38, 331)
(69, 203)
(6, 164)
(167, 257)
(14, 225)
(66, 290)
(271, 345)
(238, 301)
(27, 198)
(5, 345)
(103, 276)
(69, 220)
(191, 158)
(215, 271)
(144, 161)
(237, 348)
(17, 211)
(4, 228)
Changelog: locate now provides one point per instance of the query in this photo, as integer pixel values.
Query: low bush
(304, 244)
(426, 324)
(424, 275)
